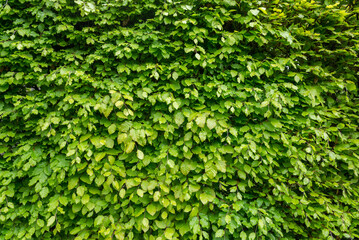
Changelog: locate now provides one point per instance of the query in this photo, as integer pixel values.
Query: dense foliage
(206, 119)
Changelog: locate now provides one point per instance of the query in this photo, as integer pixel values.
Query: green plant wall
(179, 119)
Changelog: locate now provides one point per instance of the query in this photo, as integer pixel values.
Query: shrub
(207, 119)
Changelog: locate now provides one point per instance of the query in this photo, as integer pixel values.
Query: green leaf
(122, 193)
(121, 138)
(41, 222)
(244, 129)
(186, 167)
(99, 220)
(140, 154)
(241, 174)
(99, 156)
(140, 192)
(72, 183)
(97, 142)
(211, 170)
(247, 168)
(44, 192)
(221, 166)
(351, 86)
(325, 233)
(219, 233)
(275, 123)
(171, 163)
(51, 221)
(151, 209)
(85, 199)
(109, 143)
(211, 123)
(175, 75)
(254, 12)
(194, 188)
(80, 190)
(119, 104)
(208, 195)
(179, 118)
(145, 222)
(111, 128)
(169, 232)
(231, 40)
(176, 104)
(129, 147)
(201, 120)
(173, 152)
(252, 236)
(156, 75)
(261, 223)
(243, 235)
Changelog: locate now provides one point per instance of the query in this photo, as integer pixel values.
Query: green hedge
(206, 119)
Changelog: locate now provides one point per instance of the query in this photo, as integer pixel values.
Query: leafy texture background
(206, 119)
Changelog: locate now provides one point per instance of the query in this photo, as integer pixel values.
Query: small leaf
(140, 192)
(151, 209)
(85, 199)
(109, 143)
(145, 222)
(241, 174)
(228, 219)
(44, 192)
(72, 183)
(111, 128)
(219, 233)
(176, 105)
(247, 168)
(261, 223)
(80, 190)
(169, 232)
(221, 166)
(122, 193)
(121, 138)
(156, 75)
(201, 120)
(99, 156)
(243, 235)
(98, 220)
(254, 12)
(306, 181)
(175, 75)
(130, 146)
(231, 40)
(40, 222)
(351, 86)
(210, 169)
(140, 154)
(179, 118)
(244, 129)
(173, 152)
(211, 123)
(252, 236)
(208, 195)
(51, 221)
(119, 104)
(325, 232)
(171, 163)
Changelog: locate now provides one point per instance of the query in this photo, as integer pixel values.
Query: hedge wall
(206, 119)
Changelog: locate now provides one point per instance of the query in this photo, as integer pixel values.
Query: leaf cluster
(206, 119)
